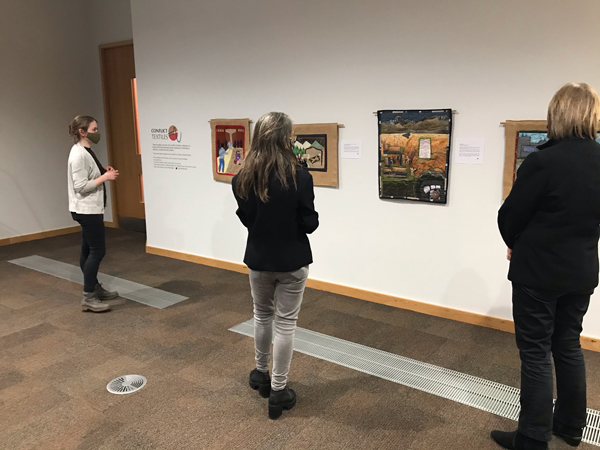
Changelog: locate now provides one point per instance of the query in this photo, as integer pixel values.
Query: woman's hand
(111, 175)
(108, 168)
(508, 253)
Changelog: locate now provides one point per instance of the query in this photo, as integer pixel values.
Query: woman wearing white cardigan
(87, 200)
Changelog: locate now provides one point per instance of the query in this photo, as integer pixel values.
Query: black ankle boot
(570, 435)
(260, 381)
(516, 441)
(280, 400)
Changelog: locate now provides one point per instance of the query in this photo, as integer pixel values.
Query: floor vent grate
(126, 384)
(469, 390)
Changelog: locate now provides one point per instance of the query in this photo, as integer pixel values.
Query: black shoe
(260, 381)
(570, 435)
(516, 441)
(280, 400)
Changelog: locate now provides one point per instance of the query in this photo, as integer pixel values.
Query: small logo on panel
(174, 134)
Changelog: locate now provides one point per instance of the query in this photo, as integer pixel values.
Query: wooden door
(120, 106)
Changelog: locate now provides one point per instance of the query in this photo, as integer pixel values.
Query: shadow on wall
(503, 305)
(163, 223)
(468, 283)
(230, 228)
(14, 192)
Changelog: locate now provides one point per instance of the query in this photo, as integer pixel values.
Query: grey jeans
(277, 298)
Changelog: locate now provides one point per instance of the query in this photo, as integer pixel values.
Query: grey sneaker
(103, 294)
(90, 302)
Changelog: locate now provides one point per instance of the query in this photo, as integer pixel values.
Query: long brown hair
(79, 123)
(270, 152)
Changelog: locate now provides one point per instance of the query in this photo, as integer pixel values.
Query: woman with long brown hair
(276, 203)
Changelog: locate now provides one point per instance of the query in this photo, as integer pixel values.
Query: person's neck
(85, 142)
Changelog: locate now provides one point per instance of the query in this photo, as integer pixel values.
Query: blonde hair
(574, 111)
(79, 123)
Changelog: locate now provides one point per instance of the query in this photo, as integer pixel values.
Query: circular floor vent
(126, 384)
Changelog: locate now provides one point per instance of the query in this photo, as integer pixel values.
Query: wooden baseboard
(414, 305)
(589, 343)
(227, 265)
(40, 235)
(47, 234)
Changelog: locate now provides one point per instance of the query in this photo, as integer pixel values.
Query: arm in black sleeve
(524, 198)
(308, 218)
(240, 212)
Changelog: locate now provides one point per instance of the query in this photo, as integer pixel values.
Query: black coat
(551, 218)
(277, 229)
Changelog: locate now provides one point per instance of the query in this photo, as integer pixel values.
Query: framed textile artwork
(230, 143)
(522, 138)
(316, 147)
(414, 154)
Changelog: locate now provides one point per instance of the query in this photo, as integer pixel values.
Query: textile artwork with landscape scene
(311, 151)
(522, 137)
(316, 147)
(414, 154)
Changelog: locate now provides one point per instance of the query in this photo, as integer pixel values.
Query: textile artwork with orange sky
(414, 154)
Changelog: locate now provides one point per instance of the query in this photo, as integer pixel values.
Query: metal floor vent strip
(137, 292)
(469, 390)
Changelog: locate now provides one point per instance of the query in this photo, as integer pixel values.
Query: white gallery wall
(49, 73)
(339, 61)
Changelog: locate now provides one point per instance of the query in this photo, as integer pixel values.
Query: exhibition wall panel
(324, 61)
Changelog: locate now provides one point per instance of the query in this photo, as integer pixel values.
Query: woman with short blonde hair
(551, 224)
(574, 112)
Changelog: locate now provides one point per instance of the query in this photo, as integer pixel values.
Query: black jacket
(551, 217)
(277, 229)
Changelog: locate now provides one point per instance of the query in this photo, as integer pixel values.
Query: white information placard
(351, 149)
(170, 151)
(469, 151)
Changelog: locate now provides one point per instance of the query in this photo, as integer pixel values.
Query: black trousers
(93, 247)
(550, 323)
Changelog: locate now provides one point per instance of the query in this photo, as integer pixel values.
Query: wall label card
(351, 149)
(469, 151)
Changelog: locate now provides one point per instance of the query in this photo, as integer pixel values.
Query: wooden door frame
(109, 149)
